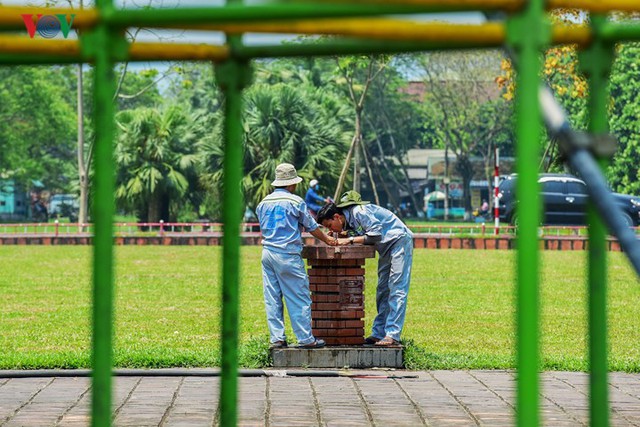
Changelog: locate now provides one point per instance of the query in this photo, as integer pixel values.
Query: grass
(167, 309)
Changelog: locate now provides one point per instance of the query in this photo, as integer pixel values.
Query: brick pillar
(336, 279)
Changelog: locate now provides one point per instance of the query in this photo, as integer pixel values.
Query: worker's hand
(343, 242)
(331, 241)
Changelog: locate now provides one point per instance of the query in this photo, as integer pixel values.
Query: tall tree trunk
(155, 206)
(465, 169)
(356, 153)
(405, 173)
(370, 174)
(82, 166)
(446, 182)
(345, 169)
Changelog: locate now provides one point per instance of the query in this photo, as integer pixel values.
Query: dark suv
(565, 201)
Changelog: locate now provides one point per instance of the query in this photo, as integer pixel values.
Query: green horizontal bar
(613, 32)
(348, 47)
(260, 13)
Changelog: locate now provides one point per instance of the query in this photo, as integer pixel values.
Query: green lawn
(167, 308)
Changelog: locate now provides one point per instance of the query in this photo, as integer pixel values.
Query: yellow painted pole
(508, 5)
(381, 29)
(571, 34)
(138, 51)
(394, 31)
(596, 6)
(21, 44)
(178, 51)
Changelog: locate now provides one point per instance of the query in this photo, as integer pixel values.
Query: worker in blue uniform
(282, 216)
(369, 224)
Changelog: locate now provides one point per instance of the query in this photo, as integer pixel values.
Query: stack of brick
(336, 279)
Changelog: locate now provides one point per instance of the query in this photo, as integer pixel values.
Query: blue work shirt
(372, 220)
(282, 217)
(313, 200)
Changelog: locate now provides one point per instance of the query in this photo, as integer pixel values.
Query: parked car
(565, 201)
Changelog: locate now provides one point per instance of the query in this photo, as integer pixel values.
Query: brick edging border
(249, 239)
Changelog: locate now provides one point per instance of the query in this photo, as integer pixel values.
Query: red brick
(338, 332)
(322, 251)
(354, 272)
(336, 262)
(419, 242)
(578, 245)
(503, 244)
(328, 324)
(325, 306)
(432, 243)
(325, 297)
(490, 243)
(552, 244)
(324, 288)
(335, 280)
(317, 279)
(614, 246)
(456, 243)
(478, 243)
(344, 314)
(331, 271)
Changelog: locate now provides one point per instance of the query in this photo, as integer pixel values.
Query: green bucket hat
(349, 198)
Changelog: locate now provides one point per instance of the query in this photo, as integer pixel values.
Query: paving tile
(435, 398)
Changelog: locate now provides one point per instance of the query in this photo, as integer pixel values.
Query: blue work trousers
(394, 274)
(284, 277)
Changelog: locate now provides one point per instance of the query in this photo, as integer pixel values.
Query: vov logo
(48, 26)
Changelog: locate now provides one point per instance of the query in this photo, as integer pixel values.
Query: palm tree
(283, 123)
(156, 156)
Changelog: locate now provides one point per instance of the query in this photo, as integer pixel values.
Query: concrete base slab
(357, 357)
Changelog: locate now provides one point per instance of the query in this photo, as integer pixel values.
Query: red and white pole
(496, 178)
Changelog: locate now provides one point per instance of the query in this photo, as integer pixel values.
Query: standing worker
(374, 225)
(314, 200)
(282, 215)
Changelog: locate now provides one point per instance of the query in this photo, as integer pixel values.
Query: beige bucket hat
(286, 175)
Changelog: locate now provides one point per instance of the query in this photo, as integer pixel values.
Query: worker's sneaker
(371, 340)
(316, 344)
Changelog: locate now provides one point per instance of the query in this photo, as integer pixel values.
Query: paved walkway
(434, 398)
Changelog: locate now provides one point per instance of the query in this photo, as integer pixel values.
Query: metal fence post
(596, 64)
(527, 33)
(232, 77)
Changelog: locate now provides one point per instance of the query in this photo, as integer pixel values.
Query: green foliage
(37, 125)
(465, 112)
(295, 124)
(156, 156)
(254, 352)
(624, 171)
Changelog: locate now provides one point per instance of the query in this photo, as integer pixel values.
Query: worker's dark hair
(327, 212)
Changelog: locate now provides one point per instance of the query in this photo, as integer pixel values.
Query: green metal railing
(526, 33)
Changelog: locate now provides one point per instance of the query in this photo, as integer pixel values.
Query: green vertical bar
(232, 203)
(526, 33)
(596, 63)
(103, 210)
(231, 77)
